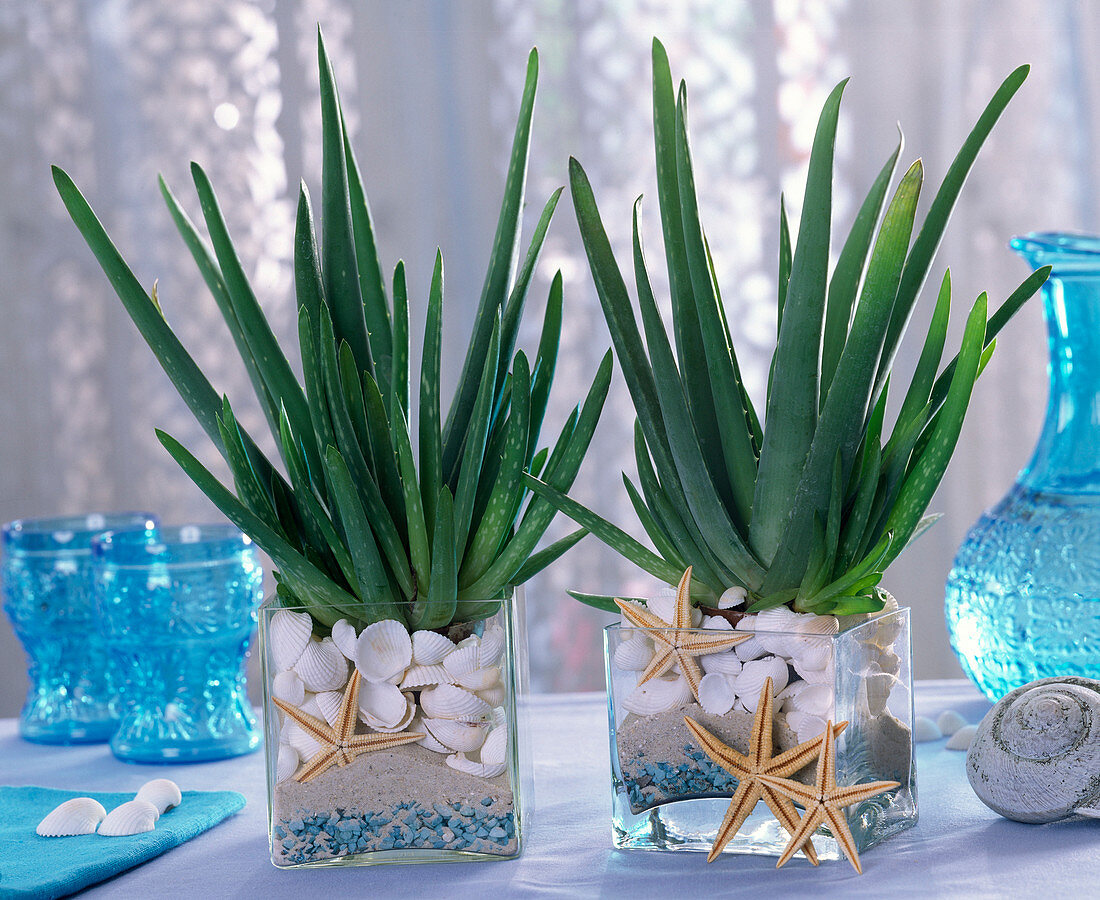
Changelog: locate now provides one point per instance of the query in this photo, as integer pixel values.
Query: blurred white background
(117, 91)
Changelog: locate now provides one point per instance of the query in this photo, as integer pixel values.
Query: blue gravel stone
(296, 825)
(433, 821)
(466, 810)
(442, 809)
(482, 832)
(488, 801)
(498, 833)
(438, 844)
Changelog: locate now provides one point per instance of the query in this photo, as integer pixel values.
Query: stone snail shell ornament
(1036, 754)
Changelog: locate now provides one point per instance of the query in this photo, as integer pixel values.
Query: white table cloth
(959, 848)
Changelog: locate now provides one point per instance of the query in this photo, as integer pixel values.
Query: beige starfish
(679, 647)
(823, 802)
(751, 770)
(340, 743)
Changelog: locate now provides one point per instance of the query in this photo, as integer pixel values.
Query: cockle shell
(80, 815)
(814, 676)
(463, 660)
(949, 721)
(1036, 754)
(814, 699)
(732, 597)
(300, 739)
(494, 756)
(806, 726)
(322, 667)
(288, 686)
(286, 764)
(658, 695)
(716, 694)
(726, 663)
(381, 704)
(458, 736)
(752, 648)
(753, 675)
(874, 691)
(288, 633)
(425, 676)
(494, 695)
(664, 607)
(428, 742)
(330, 702)
(962, 738)
(345, 638)
(132, 817)
(384, 651)
(633, 655)
(163, 793)
(716, 623)
(492, 647)
(402, 723)
(448, 701)
(924, 729)
(430, 647)
(480, 679)
(776, 619)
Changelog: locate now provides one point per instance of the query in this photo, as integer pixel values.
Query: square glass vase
(340, 793)
(667, 794)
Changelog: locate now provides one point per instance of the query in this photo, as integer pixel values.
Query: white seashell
(874, 692)
(813, 676)
(499, 717)
(401, 724)
(1035, 755)
(495, 695)
(132, 817)
(384, 651)
(658, 695)
(300, 739)
(329, 704)
(428, 742)
(430, 647)
(726, 663)
(777, 619)
(457, 735)
(808, 623)
(492, 647)
(950, 721)
(717, 623)
(888, 661)
(752, 648)
(381, 704)
(80, 815)
(288, 633)
(345, 638)
(633, 655)
(288, 686)
(163, 793)
(495, 749)
(322, 667)
(814, 699)
(732, 597)
(425, 676)
(286, 764)
(463, 660)
(811, 652)
(480, 679)
(716, 694)
(664, 607)
(447, 701)
(924, 729)
(481, 770)
(805, 726)
(962, 738)
(753, 675)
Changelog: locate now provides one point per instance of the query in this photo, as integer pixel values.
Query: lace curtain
(116, 91)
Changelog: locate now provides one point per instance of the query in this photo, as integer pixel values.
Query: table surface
(959, 848)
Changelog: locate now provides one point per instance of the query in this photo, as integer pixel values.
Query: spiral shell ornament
(1036, 754)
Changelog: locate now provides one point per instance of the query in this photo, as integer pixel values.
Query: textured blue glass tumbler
(46, 579)
(178, 608)
(1023, 597)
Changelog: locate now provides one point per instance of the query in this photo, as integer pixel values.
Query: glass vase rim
(171, 546)
(1066, 251)
(73, 535)
(875, 618)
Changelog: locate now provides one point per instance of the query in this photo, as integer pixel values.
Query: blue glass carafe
(1023, 596)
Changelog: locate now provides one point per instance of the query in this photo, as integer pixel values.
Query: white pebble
(950, 721)
(961, 739)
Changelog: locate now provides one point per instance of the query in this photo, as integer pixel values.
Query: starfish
(823, 802)
(340, 743)
(679, 646)
(752, 770)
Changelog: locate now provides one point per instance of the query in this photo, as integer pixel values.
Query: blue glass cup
(178, 608)
(46, 580)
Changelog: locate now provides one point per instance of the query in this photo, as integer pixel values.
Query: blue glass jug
(1023, 596)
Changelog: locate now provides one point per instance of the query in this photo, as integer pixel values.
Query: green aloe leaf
(399, 374)
(546, 358)
(442, 594)
(431, 439)
(784, 264)
(548, 555)
(420, 555)
(792, 412)
(498, 279)
(339, 266)
(309, 342)
(653, 528)
(600, 602)
(251, 491)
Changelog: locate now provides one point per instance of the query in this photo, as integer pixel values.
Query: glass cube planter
(668, 795)
(455, 794)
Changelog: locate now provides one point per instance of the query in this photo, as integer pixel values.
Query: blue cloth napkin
(40, 867)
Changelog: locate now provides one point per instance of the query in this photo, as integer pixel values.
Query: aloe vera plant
(809, 505)
(358, 525)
